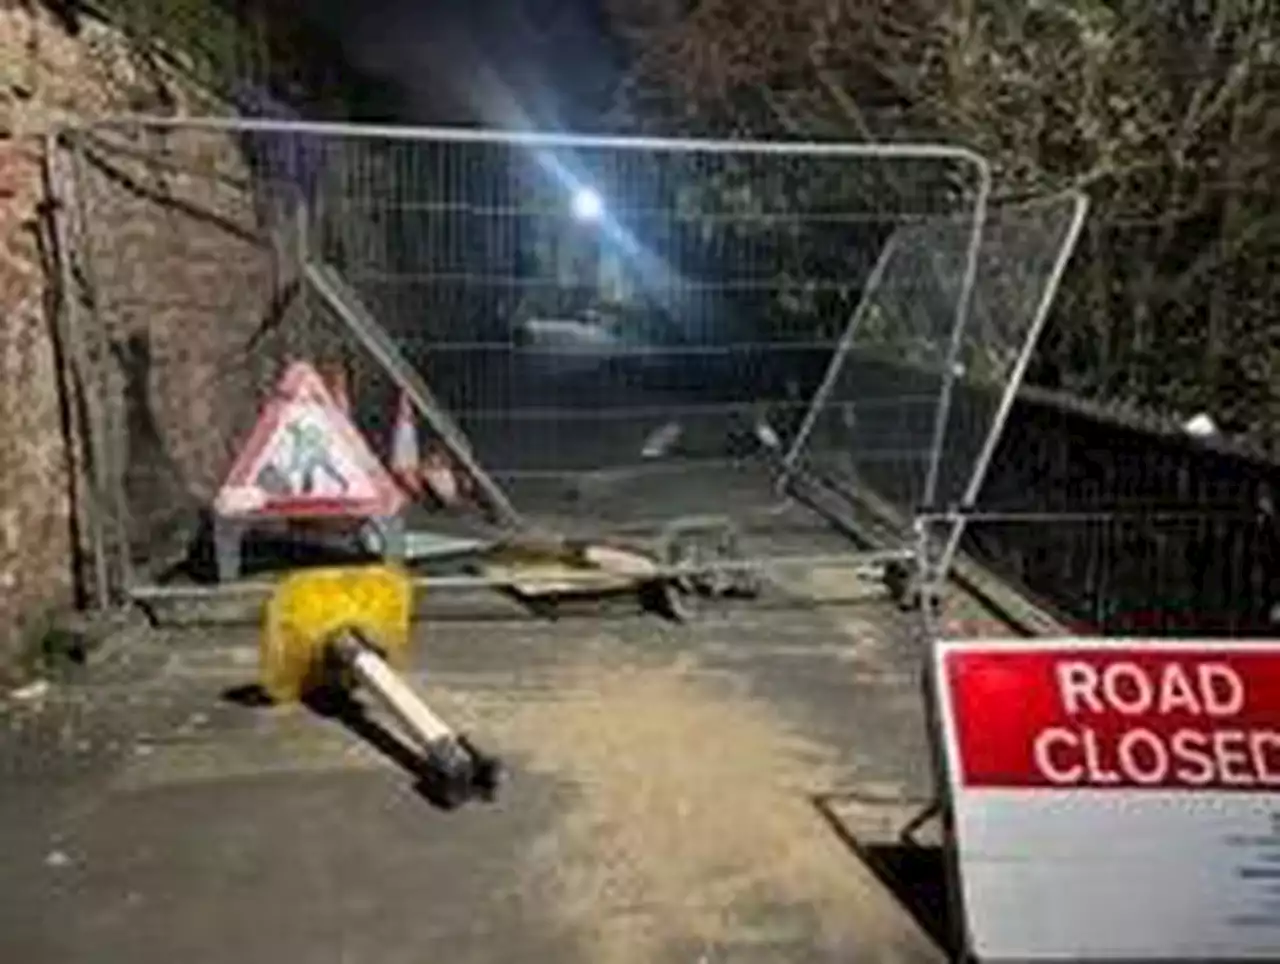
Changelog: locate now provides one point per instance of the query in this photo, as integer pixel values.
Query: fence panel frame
(1065, 213)
(973, 489)
(129, 583)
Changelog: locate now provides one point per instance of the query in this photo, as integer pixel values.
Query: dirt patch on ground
(694, 826)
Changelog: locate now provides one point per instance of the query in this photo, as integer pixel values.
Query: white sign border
(941, 724)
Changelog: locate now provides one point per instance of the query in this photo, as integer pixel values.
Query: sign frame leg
(228, 535)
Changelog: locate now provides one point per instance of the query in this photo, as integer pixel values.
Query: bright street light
(587, 205)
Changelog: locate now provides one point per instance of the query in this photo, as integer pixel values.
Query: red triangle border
(301, 383)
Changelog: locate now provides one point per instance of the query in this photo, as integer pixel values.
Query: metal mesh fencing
(621, 334)
(625, 332)
(186, 302)
(889, 426)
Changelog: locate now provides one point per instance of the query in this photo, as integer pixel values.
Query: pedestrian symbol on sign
(303, 463)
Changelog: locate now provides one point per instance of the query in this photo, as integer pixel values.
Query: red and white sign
(1115, 799)
(304, 458)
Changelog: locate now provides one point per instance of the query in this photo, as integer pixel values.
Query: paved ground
(661, 805)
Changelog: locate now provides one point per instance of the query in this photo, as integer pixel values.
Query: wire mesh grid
(187, 302)
(913, 403)
(625, 332)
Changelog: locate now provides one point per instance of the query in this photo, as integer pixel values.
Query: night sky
(508, 63)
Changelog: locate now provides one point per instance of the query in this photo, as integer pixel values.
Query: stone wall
(177, 282)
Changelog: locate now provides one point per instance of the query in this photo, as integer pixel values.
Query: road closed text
(1071, 762)
(1202, 749)
(1121, 718)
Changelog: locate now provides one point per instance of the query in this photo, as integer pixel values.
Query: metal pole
(534, 139)
(586, 578)
(963, 301)
(69, 330)
(1079, 211)
(836, 366)
(353, 313)
(372, 671)
(110, 467)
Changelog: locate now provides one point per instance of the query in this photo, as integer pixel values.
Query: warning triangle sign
(304, 458)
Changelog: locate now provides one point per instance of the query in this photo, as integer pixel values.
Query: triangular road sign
(305, 458)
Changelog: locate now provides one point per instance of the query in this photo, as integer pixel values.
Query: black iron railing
(1122, 529)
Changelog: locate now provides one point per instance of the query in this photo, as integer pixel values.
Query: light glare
(587, 205)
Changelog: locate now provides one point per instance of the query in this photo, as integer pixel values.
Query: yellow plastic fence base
(309, 607)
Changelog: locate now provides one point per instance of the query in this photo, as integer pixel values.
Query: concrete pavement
(660, 808)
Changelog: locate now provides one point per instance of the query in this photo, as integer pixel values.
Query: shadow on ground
(914, 871)
(351, 714)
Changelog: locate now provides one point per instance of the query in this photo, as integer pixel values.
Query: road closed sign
(1114, 800)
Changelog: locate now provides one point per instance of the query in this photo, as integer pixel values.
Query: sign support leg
(227, 537)
(393, 540)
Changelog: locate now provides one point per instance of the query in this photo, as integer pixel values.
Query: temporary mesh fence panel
(610, 323)
(363, 328)
(190, 293)
(873, 428)
(622, 333)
